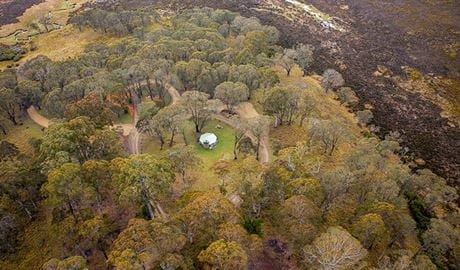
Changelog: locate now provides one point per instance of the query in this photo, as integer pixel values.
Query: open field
(20, 135)
(64, 43)
(57, 10)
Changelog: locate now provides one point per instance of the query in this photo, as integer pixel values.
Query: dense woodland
(339, 199)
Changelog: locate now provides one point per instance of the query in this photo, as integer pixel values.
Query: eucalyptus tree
(143, 179)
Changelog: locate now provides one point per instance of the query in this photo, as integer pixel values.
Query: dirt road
(173, 93)
(37, 117)
(129, 130)
(132, 136)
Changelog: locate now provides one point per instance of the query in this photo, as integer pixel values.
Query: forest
(100, 166)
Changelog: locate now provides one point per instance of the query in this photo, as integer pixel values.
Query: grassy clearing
(64, 43)
(125, 119)
(20, 135)
(205, 178)
(67, 42)
(59, 9)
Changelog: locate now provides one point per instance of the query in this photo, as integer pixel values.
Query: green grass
(224, 147)
(21, 134)
(206, 179)
(126, 119)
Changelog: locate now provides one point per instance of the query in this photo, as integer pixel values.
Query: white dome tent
(208, 140)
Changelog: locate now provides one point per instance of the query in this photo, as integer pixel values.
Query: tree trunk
(104, 252)
(162, 142)
(184, 137)
(234, 149)
(149, 208)
(258, 148)
(3, 129)
(72, 212)
(171, 141)
(12, 119)
(25, 209)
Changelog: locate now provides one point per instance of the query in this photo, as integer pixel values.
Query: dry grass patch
(60, 10)
(64, 43)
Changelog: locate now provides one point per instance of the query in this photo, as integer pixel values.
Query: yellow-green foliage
(43, 240)
(224, 255)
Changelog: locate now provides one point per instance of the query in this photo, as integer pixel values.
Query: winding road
(132, 136)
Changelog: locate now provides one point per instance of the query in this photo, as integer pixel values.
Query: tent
(208, 140)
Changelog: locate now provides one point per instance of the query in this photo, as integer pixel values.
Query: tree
(106, 144)
(246, 74)
(95, 232)
(224, 255)
(174, 261)
(287, 59)
(258, 127)
(143, 179)
(8, 78)
(8, 150)
(299, 216)
(168, 119)
(29, 93)
(268, 77)
(9, 104)
(66, 188)
(70, 263)
(62, 73)
(240, 128)
(80, 139)
(308, 187)
(189, 72)
(143, 243)
(183, 158)
(307, 106)
(304, 53)
(200, 218)
(334, 249)
(364, 117)
(231, 94)
(442, 241)
(332, 80)
(92, 107)
(198, 105)
(37, 69)
(256, 42)
(9, 228)
(347, 96)
(76, 90)
(439, 192)
(4, 124)
(19, 188)
(282, 102)
(244, 178)
(329, 133)
(228, 232)
(299, 210)
(371, 231)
